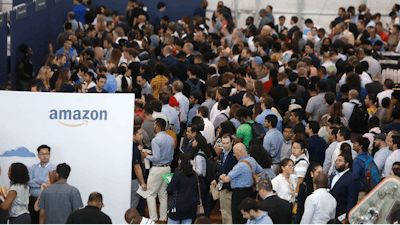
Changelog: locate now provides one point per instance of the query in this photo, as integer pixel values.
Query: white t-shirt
(20, 204)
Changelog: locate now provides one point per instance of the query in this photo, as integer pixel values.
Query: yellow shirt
(157, 83)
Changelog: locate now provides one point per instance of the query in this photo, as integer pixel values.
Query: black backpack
(257, 130)
(212, 169)
(359, 119)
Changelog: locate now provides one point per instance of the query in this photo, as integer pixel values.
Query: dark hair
(345, 88)
(302, 143)
(227, 127)
(330, 97)
(295, 19)
(308, 179)
(364, 142)
(314, 126)
(63, 170)
(198, 96)
(96, 197)
(272, 119)
(157, 105)
(43, 146)
(298, 113)
(164, 98)
(160, 123)
(19, 174)
(322, 85)
(241, 82)
(202, 144)
(186, 167)
(160, 68)
(284, 163)
(160, 5)
(203, 110)
(101, 76)
(243, 113)
(396, 140)
(259, 153)
(345, 132)
(248, 204)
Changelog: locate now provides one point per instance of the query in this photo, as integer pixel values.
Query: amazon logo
(77, 118)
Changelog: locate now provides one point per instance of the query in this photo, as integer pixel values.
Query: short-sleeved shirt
(244, 131)
(314, 104)
(59, 201)
(20, 204)
(137, 159)
(300, 169)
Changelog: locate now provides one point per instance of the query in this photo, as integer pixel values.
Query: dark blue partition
(175, 10)
(35, 30)
(18, 2)
(3, 50)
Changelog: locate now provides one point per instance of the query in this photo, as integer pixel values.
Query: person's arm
(76, 201)
(6, 205)
(308, 212)
(327, 162)
(156, 151)
(139, 175)
(41, 216)
(393, 103)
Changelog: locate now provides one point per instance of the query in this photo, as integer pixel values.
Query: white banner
(92, 133)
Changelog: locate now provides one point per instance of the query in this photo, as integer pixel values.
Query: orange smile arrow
(85, 122)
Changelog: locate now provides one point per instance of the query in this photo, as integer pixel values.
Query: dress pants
(156, 185)
(225, 198)
(31, 207)
(22, 219)
(238, 194)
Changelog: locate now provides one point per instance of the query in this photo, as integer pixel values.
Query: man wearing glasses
(92, 213)
(39, 173)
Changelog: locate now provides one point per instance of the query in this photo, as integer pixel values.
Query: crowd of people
(280, 125)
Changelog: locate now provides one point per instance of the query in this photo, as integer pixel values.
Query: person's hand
(144, 187)
(140, 147)
(145, 154)
(43, 186)
(222, 176)
(214, 183)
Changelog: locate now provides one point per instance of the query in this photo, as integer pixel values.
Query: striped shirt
(146, 221)
(300, 169)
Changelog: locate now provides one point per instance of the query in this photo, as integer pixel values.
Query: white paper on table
(142, 193)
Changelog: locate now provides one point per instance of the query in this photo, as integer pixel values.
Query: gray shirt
(148, 132)
(321, 112)
(314, 104)
(146, 89)
(20, 204)
(58, 201)
(209, 103)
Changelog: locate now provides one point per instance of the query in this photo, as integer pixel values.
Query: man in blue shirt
(80, 11)
(70, 52)
(373, 37)
(384, 152)
(241, 178)
(252, 213)
(266, 106)
(170, 112)
(195, 100)
(99, 88)
(159, 14)
(273, 141)
(111, 83)
(316, 144)
(360, 162)
(38, 174)
(162, 147)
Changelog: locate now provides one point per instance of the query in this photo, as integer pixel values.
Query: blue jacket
(226, 167)
(169, 60)
(345, 192)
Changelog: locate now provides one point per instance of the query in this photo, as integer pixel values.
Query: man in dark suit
(280, 27)
(182, 63)
(344, 185)
(241, 90)
(228, 161)
(293, 22)
(188, 48)
(278, 209)
(376, 86)
(121, 23)
(168, 60)
(191, 132)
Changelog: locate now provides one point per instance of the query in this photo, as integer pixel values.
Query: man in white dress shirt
(394, 145)
(209, 130)
(320, 206)
(177, 88)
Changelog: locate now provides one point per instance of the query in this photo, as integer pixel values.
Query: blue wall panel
(18, 2)
(175, 10)
(3, 51)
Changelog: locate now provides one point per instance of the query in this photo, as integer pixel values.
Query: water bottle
(219, 185)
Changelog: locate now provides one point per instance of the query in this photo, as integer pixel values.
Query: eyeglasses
(42, 154)
(339, 160)
(296, 147)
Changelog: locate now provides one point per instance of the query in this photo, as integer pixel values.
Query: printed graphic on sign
(19, 152)
(77, 118)
(168, 177)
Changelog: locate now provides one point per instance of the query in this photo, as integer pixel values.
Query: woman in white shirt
(17, 199)
(285, 183)
(88, 78)
(123, 81)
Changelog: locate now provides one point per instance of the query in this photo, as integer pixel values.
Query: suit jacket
(191, 59)
(278, 209)
(345, 192)
(290, 32)
(226, 167)
(276, 27)
(169, 60)
(374, 87)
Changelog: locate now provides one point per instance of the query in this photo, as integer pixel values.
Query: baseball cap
(258, 60)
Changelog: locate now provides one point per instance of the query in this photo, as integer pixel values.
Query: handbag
(256, 179)
(200, 208)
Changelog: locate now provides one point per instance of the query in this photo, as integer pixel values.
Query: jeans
(187, 221)
(22, 219)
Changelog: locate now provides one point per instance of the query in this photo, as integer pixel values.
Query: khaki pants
(156, 185)
(361, 195)
(225, 200)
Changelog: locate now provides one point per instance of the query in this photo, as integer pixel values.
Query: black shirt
(303, 82)
(136, 160)
(27, 68)
(88, 215)
(299, 128)
(284, 103)
(94, 90)
(277, 93)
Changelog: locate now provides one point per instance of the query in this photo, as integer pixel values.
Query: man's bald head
(321, 181)
(353, 94)
(132, 216)
(239, 150)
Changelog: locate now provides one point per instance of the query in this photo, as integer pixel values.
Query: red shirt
(173, 102)
(267, 85)
(140, 113)
(384, 36)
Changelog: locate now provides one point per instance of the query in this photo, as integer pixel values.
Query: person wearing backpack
(243, 133)
(242, 178)
(193, 84)
(200, 166)
(273, 141)
(356, 113)
(363, 164)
